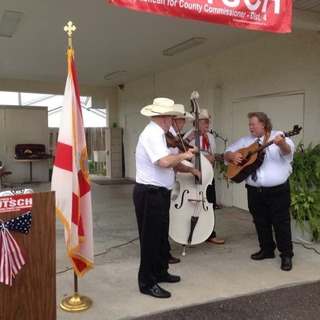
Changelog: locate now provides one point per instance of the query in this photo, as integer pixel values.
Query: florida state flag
(70, 177)
(264, 15)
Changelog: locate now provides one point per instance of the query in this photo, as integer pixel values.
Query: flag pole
(76, 302)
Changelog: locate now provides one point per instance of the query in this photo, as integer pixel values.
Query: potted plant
(305, 189)
(222, 172)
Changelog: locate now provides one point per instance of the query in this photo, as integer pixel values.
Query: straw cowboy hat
(160, 107)
(205, 115)
(183, 114)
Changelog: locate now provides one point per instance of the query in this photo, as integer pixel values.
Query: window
(92, 117)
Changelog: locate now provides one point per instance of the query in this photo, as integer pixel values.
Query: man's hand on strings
(194, 150)
(196, 173)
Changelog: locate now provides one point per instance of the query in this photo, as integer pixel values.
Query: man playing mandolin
(268, 187)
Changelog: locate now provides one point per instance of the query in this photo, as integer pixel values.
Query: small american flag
(12, 258)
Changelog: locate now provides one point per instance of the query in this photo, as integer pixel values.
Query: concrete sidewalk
(209, 272)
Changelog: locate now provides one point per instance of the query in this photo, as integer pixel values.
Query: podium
(33, 293)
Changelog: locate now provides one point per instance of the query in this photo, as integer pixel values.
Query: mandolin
(252, 158)
(218, 157)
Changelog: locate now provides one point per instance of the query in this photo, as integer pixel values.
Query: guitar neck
(264, 146)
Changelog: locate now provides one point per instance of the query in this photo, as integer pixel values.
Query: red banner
(264, 15)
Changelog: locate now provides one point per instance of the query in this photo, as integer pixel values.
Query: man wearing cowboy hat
(208, 148)
(180, 120)
(151, 196)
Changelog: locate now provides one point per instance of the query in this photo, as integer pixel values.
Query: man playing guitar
(268, 187)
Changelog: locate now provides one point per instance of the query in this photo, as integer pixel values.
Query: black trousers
(211, 197)
(270, 210)
(211, 193)
(152, 205)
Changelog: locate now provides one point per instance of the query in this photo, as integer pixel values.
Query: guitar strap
(261, 155)
(265, 140)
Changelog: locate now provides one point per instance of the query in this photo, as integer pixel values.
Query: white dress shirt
(151, 147)
(212, 147)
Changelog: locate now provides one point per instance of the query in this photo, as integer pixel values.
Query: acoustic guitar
(252, 158)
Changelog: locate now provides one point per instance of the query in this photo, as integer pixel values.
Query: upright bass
(191, 216)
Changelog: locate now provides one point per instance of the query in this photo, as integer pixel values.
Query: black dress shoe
(286, 263)
(174, 260)
(261, 255)
(156, 291)
(169, 278)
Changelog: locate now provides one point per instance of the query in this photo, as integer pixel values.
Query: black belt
(264, 189)
(151, 187)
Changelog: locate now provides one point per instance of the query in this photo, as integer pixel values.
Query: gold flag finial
(70, 28)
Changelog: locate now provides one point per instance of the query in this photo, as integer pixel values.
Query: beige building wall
(271, 65)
